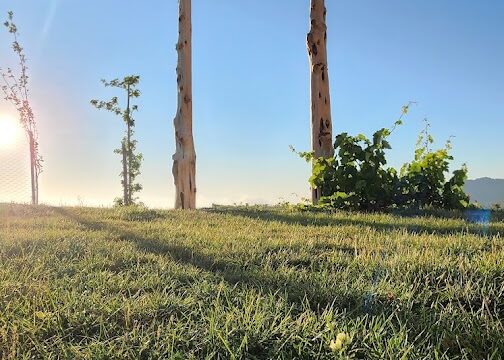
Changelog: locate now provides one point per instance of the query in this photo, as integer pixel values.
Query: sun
(10, 131)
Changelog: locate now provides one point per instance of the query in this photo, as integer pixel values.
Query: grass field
(247, 283)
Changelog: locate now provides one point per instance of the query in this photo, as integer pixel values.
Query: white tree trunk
(33, 169)
(125, 181)
(184, 159)
(321, 123)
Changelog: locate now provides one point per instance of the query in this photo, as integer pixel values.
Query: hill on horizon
(486, 191)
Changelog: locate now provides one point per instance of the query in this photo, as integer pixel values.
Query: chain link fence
(15, 173)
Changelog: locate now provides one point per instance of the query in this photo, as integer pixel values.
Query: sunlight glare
(10, 131)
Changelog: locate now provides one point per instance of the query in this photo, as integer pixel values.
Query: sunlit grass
(254, 283)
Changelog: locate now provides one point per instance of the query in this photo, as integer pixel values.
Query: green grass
(247, 283)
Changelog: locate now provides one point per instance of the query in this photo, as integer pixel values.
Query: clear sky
(251, 89)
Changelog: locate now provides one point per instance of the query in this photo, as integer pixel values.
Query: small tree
(15, 90)
(131, 161)
(424, 179)
(357, 176)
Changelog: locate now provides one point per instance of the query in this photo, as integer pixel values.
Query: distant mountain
(486, 191)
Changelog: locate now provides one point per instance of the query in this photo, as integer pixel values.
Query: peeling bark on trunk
(184, 159)
(321, 123)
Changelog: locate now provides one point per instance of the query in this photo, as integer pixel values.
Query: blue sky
(251, 88)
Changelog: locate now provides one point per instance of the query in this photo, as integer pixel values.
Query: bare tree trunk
(184, 159)
(33, 170)
(128, 147)
(321, 123)
(125, 176)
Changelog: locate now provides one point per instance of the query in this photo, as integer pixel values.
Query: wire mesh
(15, 173)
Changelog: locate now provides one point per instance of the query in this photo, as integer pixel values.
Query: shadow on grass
(301, 291)
(296, 289)
(413, 225)
(298, 292)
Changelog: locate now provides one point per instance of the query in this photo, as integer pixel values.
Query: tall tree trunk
(321, 123)
(184, 159)
(129, 151)
(33, 169)
(125, 175)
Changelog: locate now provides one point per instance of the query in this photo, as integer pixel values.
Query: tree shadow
(479, 227)
(299, 293)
